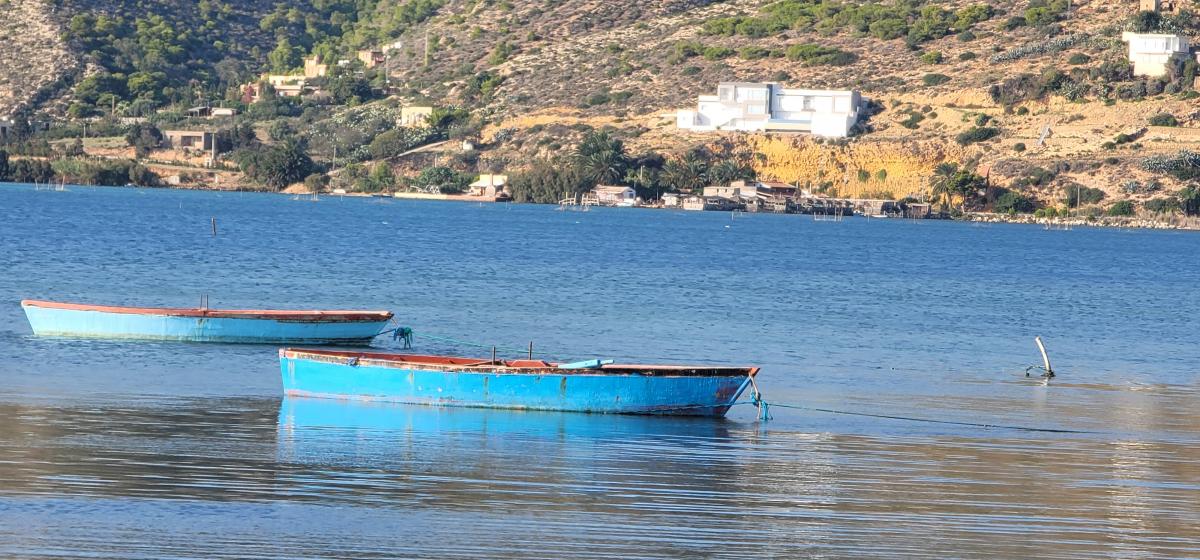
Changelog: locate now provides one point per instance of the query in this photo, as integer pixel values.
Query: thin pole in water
(530, 349)
(214, 226)
(493, 355)
(1045, 357)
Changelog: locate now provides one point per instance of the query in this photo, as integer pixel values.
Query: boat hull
(595, 391)
(201, 326)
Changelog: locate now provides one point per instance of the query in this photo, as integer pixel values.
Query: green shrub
(966, 37)
(934, 79)
(1013, 23)
(881, 175)
(500, 53)
(1022, 111)
(1164, 119)
(598, 98)
(913, 121)
(754, 53)
(1077, 196)
(684, 50)
(1019, 147)
(690, 70)
(966, 56)
(1012, 202)
(932, 57)
(717, 53)
(864, 175)
(1036, 177)
(977, 134)
(1120, 208)
(1162, 205)
(817, 55)
(1079, 58)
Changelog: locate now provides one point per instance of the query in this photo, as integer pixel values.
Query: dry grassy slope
(33, 56)
(572, 57)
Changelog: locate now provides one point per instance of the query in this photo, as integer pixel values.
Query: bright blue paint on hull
(98, 324)
(568, 392)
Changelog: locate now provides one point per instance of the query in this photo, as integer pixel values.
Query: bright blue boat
(48, 318)
(594, 386)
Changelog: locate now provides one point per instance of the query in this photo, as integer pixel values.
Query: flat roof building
(769, 107)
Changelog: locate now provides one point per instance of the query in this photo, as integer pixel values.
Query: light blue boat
(48, 318)
(595, 386)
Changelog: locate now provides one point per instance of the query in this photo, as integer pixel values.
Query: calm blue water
(135, 450)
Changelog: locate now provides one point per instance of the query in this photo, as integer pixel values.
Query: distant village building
(223, 112)
(285, 85)
(371, 58)
(1168, 6)
(314, 68)
(1152, 53)
(709, 203)
(189, 139)
(748, 106)
(489, 185)
(735, 190)
(611, 195)
(672, 200)
(415, 116)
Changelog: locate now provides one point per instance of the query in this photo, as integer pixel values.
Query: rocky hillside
(1034, 94)
(35, 62)
(981, 92)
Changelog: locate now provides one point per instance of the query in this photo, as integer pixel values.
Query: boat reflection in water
(470, 456)
(308, 422)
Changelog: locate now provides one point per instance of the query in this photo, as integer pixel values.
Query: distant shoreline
(1178, 223)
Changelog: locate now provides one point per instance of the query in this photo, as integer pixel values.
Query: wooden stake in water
(530, 349)
(214, 226)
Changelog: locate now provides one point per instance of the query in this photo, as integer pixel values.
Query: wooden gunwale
(267, 314)
(460, 364)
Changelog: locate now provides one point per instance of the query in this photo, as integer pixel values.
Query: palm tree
(941, 184)
(688, 174)
(601, 158)
(949, 180)
(603, 167)
(729, 170)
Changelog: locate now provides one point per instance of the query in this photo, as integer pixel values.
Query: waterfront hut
(614, 195)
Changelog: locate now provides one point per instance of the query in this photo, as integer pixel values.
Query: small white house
(734, 190)
(614, 195)
(489, 185)
(1151, 53)
(767, 106)
(415, 115)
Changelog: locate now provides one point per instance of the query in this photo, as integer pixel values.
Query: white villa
(749, 106)
(1151, 53)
